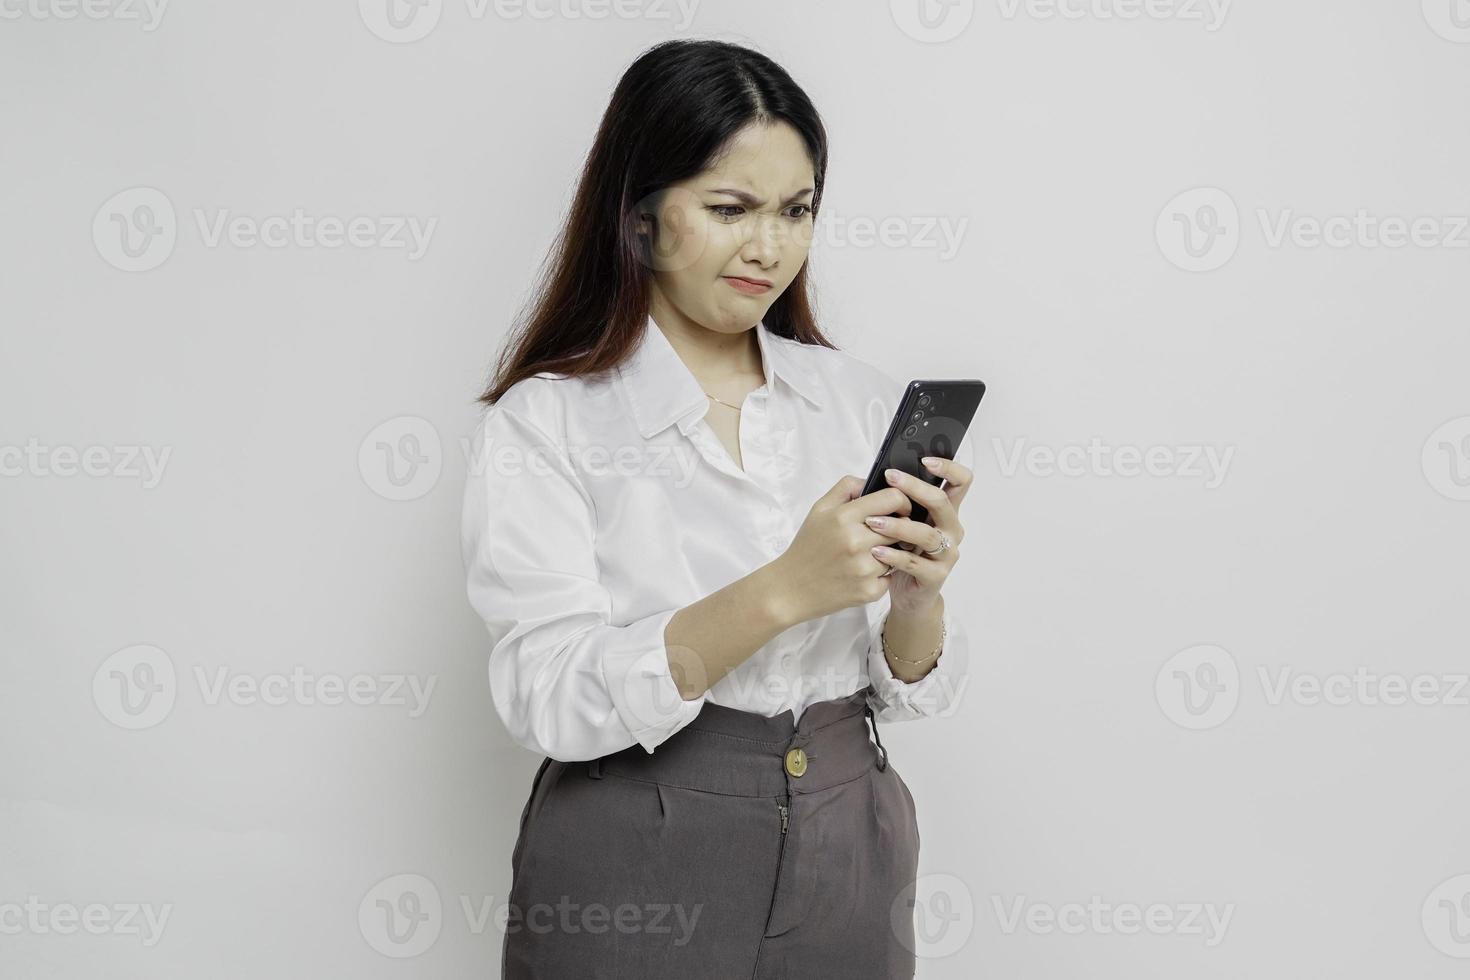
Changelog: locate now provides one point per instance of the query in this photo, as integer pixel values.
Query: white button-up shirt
(597, 508)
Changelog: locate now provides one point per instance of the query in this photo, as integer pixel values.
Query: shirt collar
(662, 390)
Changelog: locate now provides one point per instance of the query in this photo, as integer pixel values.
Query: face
(748, 216)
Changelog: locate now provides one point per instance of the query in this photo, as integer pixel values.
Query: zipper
(785, 811)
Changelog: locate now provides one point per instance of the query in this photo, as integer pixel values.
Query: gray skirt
(742, 847)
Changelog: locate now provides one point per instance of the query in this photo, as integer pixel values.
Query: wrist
(931, 611)
(913, 641)
(775, 600)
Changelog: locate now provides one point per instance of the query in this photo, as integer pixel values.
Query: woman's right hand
(830, 565)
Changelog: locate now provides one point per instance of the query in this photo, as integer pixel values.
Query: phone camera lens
(909, 432)
(924, 401)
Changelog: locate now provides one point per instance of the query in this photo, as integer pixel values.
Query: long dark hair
(673, 110)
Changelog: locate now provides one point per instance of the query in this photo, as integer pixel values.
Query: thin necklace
(736, 407)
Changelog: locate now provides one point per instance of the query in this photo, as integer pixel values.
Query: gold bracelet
(883, 636)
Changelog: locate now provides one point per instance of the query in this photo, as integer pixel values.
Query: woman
(699, 671)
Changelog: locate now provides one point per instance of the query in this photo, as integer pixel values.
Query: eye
(807, 213)
(721, 209)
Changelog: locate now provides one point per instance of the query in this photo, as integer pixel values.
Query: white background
(1059, 141)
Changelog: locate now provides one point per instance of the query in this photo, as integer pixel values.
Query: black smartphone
(931, 420)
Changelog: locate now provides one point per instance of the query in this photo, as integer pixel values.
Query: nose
(766, 238)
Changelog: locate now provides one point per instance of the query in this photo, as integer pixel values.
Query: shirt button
(796, 762)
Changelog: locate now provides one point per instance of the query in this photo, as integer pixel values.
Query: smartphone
(931, 420)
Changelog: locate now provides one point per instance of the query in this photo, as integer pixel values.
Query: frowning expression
(731, 239)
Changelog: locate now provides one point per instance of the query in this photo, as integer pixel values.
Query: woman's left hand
(916, 577)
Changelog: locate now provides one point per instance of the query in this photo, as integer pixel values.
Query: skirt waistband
(740, 753)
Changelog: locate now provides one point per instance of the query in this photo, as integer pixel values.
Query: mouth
(751, 287)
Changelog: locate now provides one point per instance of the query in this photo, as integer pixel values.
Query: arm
(904, 692)
(565, 680)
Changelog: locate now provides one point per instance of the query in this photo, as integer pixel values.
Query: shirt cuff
(640, 682)
(936, 694)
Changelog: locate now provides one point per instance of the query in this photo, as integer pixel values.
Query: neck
(714, 358)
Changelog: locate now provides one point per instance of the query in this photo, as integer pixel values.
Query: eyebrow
(750, 199)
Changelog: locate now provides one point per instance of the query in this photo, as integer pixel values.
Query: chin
(728, 320)
(747, 306)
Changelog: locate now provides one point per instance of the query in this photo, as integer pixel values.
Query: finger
(928, 572)
(889, 500)
(844, 490)
(935, 500)
(850, 487)
(957, 477)
(924, 537)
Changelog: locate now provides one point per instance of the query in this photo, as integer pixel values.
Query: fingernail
(879, 551)
(931, 461)
(891, 474)
(876, 521)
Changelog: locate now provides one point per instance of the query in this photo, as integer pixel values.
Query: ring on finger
(943, 545)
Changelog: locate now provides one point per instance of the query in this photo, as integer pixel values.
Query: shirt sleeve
(566, 680)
